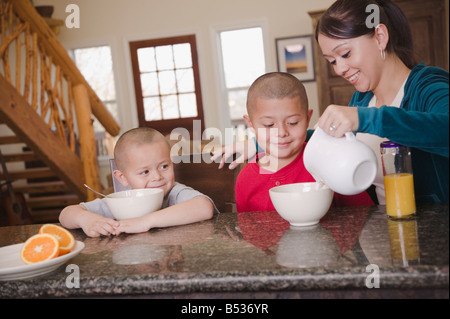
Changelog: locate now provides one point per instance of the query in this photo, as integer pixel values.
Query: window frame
(166, 126)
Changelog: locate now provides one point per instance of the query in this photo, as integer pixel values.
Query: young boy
(143, 160)
(278, 113)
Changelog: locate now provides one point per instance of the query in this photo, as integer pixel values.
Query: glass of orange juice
(398, 180)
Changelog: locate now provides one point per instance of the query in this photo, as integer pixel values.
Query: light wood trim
(87, 138)
(25, 10)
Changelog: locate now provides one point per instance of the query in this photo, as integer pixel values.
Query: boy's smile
(280, 127)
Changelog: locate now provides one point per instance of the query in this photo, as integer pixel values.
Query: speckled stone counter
(353, 252)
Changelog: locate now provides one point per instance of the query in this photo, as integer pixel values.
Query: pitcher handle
(350, 136)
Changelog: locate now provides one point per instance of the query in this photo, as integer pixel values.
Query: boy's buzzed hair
(276, 85)
(139, 136)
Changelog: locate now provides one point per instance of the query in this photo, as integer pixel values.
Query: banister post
(86, 133)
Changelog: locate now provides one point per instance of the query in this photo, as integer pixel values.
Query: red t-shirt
(253, 184)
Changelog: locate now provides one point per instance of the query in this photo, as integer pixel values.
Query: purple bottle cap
(388, 144)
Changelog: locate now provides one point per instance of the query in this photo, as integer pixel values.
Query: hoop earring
(383, 54)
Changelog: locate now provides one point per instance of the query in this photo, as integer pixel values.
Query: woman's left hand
(337, 120)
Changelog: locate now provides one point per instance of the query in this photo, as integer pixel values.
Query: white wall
(117, 22)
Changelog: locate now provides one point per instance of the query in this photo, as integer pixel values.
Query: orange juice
(403, 239)
(399, 189)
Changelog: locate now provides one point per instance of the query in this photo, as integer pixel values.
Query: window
(95, 63)
(167, 83)
(243, 60)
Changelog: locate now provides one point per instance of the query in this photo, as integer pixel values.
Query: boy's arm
(94, 225)
(193, 210)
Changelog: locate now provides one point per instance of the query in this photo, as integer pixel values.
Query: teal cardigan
(421, 122)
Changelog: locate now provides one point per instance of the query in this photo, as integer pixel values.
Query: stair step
(44, 187)
(29, 173)
(20, 157)
(9, 139)
(53, 201)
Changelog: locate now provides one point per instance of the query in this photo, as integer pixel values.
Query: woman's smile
(353, 78)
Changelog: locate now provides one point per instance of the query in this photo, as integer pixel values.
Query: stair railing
(34, 62)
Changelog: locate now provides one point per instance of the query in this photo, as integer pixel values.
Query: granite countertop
(257, 254)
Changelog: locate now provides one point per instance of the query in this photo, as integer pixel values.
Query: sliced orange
(39, 247)
(65, 237)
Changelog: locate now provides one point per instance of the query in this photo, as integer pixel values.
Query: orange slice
(65, 237)
(39, 247)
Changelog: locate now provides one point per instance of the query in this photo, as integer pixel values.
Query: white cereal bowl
(135, 202)
(302, 204)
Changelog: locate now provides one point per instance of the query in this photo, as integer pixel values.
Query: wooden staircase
(46, 109)
(46, 195)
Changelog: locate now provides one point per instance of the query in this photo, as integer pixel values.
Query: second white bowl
(302, 204)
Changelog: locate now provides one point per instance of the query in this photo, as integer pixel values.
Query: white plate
(13, 268)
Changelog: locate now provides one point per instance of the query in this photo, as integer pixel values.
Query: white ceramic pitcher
(346, 165)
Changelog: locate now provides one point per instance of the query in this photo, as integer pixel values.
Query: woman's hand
(246, 149)
(337, 120)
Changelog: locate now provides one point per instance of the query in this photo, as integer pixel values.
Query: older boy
(278, 113)
(143, 160)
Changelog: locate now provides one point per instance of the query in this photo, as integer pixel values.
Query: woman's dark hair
(346, 19)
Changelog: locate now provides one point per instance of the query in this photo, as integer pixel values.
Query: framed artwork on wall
(295, 56)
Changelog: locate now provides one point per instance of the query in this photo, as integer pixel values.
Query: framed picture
(295, 55)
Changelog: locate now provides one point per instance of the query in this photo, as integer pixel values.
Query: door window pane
(185, 80)
(167, 82)
(152, 109)
(188, 105)
(147, 59)
(182, 55)
(164, 57)
(150, 84)
(170, 107)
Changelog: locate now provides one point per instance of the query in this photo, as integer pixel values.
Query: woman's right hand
(246, 149)
(337, 120)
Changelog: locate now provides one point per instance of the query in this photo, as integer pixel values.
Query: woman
(395, 98)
